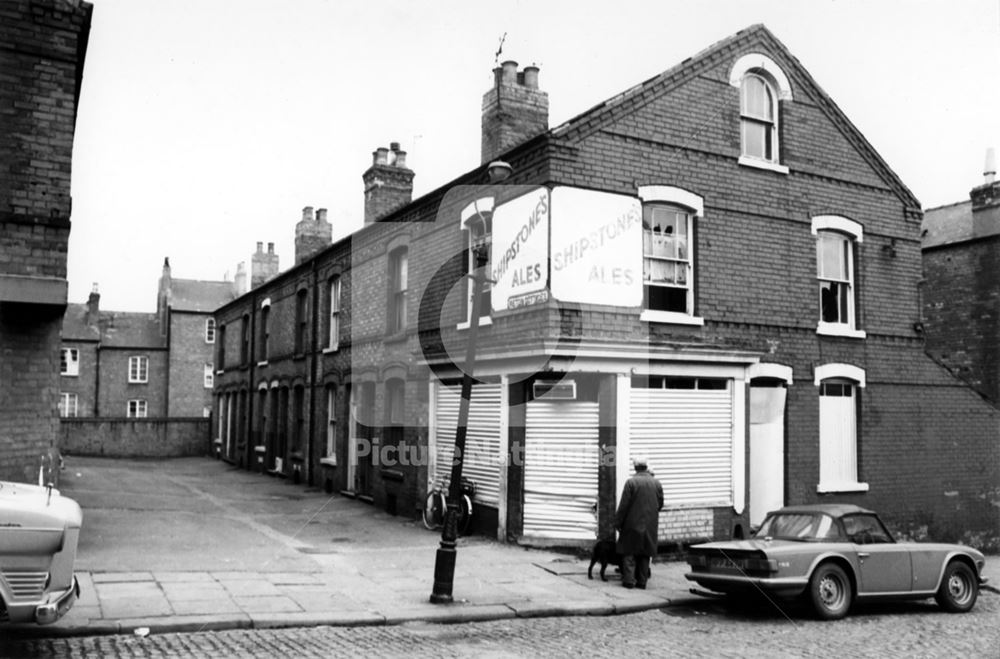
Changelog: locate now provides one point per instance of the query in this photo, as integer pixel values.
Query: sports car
(834, 555)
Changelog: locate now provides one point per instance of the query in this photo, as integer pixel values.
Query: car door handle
(863, 554)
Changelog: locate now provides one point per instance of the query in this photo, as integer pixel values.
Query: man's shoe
(641, 586)
(629, 585)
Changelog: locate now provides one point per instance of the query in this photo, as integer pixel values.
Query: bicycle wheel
(464, 514)
(433, 510)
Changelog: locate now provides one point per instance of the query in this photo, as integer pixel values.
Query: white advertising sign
(596, 247)
(520, 250)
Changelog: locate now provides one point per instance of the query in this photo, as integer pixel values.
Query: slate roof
(115, 329)
(201, 296)
(947, 224)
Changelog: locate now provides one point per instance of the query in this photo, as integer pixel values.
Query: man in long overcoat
(637, 520)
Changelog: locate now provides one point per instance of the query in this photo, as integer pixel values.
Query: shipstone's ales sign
(596, 247)
(520, 250)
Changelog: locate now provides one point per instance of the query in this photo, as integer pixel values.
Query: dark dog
(606, 554)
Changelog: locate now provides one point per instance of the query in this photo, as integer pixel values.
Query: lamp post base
(444, 562)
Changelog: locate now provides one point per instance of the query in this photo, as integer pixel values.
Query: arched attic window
(762, 85)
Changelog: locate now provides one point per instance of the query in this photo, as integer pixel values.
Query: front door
(767, 448)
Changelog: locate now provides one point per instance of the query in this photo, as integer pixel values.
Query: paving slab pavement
(195, 544)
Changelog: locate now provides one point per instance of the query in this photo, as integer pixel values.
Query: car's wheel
(830, 592)
(959, 588)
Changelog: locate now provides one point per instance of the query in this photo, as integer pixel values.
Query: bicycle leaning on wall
(436, 505)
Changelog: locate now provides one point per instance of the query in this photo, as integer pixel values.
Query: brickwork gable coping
(613, 109)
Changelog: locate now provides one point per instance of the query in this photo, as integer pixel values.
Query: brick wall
(135, 438)
(116, 390)
(189, 353)
(44, 43)
(962, 310)
(83, 385)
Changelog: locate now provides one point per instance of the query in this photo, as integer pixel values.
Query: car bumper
(788, 586)
(48, 613)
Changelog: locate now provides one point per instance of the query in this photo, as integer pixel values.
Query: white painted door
(767, 450)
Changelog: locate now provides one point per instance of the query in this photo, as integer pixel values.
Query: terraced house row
(713, 269)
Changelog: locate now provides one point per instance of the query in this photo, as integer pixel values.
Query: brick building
(137, 365)
(43, 47)
(714, 269)
(961, 291)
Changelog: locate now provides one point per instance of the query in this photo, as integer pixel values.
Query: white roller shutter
(560, 470)
(686, 434)
(482, 441)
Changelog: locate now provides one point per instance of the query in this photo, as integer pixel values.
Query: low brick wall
(135, 438)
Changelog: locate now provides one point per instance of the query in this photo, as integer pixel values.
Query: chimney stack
(93, 306)
(986, 200)
(263, 267)
(313, 234)
(388, 182)
(240, 280)
(514, 110)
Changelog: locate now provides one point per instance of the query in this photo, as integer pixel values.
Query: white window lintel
(838, 223)
(846, 371)
(481, 205)
(770, 370)
(761, 62)
(673, 195)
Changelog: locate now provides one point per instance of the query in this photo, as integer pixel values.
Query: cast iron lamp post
(444, 565)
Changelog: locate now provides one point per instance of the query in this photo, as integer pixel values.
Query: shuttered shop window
(684, 426)
(482, 441)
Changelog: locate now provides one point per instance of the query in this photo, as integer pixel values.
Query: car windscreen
(798, 526)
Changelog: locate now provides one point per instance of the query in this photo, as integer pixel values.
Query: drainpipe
(313, 364)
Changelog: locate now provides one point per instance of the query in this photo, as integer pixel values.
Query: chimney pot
(510, 72)
(307, 214)
(990, 167)
(321, 215)
(394, 146)
(260, 247)
(531, 77)
(380, 156)
(401, 159)
(270, 248)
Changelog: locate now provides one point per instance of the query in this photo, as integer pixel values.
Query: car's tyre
(830, 592)
(959, 588)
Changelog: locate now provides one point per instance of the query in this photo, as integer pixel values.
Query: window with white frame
(762, 86)
(210, 330)
(333, 331)
(209, 375)
(138, 369)
(68, 404)
(264, 346)
(839, 391)
(331, 424)
(758, 118)
(137, 409)
(669, 217)
(666, 259)
(69, 362)
(836, 248)
(396, 314)
(477, 227)
(301, 321)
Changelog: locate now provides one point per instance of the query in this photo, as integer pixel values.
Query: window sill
(747, 161)
(138, 381)
(331, 349)
(844, 487)
(262, 364)
(484, 321)
(395, 337)
(841, 330)
(671, 317)
(328, 462)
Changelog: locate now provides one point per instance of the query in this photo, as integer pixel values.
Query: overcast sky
(206, 125)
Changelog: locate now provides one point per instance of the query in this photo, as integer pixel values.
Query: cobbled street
(700, 629)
